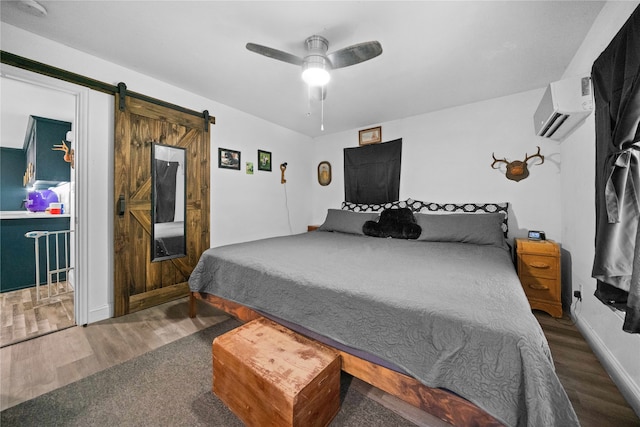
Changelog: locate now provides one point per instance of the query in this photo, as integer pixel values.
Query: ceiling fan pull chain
(322, 110)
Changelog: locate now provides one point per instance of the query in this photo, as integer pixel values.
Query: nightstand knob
(539, 265)
(538, 287)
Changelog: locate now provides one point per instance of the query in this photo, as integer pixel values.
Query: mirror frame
(155, 257)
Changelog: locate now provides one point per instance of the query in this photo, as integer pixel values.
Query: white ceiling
(436, 54)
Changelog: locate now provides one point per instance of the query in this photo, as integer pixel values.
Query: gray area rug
(170, 386)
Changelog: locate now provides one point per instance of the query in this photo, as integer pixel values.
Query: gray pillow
(347, 221)
(479, 229)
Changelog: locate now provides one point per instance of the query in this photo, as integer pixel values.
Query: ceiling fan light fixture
(316, 76)
(32, 7)
(315, 71)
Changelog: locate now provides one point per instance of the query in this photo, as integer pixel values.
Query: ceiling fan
(316, 64)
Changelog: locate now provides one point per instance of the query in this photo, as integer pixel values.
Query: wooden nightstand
(538, 264)
(312, 227)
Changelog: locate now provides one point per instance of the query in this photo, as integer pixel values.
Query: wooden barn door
(138, 282)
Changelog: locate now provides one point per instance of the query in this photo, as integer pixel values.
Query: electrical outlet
(578, 293)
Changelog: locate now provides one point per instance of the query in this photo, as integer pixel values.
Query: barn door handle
(121, 205)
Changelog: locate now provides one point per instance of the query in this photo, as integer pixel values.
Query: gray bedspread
(452, 315)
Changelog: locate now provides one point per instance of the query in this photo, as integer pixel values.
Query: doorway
(75, 279)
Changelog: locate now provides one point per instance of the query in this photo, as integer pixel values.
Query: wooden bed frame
(437, 402)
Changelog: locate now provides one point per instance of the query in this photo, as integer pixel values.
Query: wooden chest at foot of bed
(269, 375)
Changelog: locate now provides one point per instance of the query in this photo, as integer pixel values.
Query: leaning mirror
(168, 184)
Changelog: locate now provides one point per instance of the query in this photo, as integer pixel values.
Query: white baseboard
(99, 314)
(629, 390)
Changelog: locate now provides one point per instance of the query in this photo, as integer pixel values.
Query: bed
(169, 238)
(440, 321)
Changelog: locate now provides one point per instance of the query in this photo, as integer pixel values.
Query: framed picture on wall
(228, 159)
(264, 160)
(324, 173)
(370, 136)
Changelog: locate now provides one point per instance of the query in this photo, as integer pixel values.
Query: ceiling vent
(564, 105)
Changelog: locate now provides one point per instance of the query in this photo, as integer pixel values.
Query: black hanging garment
(616, 83)
(165, 190)
(372, 173)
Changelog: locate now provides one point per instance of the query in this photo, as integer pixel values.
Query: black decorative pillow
(395, 223)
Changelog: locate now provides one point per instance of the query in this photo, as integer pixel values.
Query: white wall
(446, 157)
(96, 167)
(243, 207)
(618, 351)
(254, 206)
(19, 100)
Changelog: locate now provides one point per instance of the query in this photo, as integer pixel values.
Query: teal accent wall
(12, 168)
(17, 253)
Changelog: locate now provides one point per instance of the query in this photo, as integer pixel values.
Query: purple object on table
(39, 200)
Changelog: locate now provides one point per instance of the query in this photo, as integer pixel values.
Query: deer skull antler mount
(69, 154)
(517, 170)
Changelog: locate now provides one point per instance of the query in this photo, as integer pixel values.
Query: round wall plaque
(324, 173)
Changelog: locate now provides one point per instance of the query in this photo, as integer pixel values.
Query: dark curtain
(372, 172)
(616, 82)
(165, 190)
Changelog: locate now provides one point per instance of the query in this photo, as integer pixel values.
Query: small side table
(538, 264)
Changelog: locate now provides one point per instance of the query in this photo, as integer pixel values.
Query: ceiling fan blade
(354, 54)
(317, 93)
(275, 54)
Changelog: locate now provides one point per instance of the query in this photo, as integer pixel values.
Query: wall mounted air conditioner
(564, 105)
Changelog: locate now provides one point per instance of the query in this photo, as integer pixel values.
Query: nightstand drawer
(539, 266)
(538, 288)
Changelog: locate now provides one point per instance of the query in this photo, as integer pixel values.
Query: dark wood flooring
(27, 368)
(595, 398)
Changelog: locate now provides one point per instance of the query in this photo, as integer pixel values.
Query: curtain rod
(67, 76)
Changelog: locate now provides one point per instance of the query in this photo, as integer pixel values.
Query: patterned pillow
(373, 207)
(424, 207)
